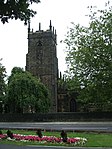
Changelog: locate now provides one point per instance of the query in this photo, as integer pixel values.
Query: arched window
(72, 105)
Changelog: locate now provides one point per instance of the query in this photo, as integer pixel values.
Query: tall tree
(89, 57)
(16, 9)
(2, 85)
(26, 92)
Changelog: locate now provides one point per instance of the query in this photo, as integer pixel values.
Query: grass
(93, 139)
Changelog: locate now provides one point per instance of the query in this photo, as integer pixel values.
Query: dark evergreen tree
(2, 86)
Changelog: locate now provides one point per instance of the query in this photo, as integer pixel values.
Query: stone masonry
(41, 59)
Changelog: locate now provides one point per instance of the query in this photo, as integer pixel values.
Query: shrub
(0, 132)
(9, 134)
(39, 133)
(64, 136)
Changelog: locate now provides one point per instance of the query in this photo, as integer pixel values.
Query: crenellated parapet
(49, 32)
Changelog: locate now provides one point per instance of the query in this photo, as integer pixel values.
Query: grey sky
(13, 36)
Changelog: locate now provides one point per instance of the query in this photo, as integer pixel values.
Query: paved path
(68, 126)
(45, 147)
(80, 126)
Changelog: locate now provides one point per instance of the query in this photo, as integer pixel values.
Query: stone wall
(53, 117)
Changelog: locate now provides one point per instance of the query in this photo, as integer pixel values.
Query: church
(42, 62)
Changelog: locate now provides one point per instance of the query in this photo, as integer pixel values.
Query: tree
(2, 85)
(26, 93)
(16, 9)
(89, 57)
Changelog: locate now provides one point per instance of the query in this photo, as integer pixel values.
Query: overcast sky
(13, 35)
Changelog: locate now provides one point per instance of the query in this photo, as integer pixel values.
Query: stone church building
(42, 61)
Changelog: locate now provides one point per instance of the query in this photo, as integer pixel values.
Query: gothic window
(39, 43)
(72, 105)
(39, 52)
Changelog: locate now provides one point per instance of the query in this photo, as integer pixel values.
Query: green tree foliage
(2, 80)
(26, 93)
(2, 85)
(89, 57)
(16, 9)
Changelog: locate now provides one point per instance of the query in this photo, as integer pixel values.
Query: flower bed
(44, 139)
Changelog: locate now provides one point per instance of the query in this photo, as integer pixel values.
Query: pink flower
(3, 136)
(73, 140)
(51, 139)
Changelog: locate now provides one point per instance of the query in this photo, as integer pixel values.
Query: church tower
(41, 59)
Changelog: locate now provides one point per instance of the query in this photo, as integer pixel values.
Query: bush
(0, 132)
(9, 134)
(39, 133)
(64, 136)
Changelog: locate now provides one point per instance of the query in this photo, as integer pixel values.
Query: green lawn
(93, 139)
